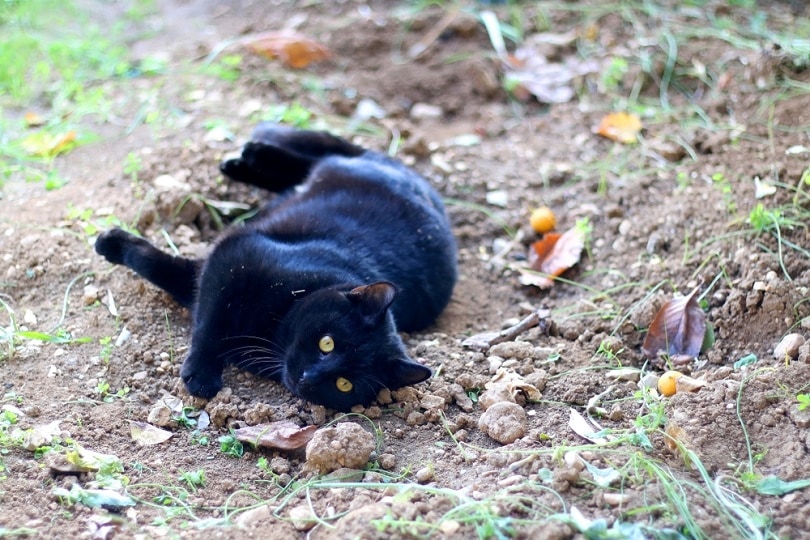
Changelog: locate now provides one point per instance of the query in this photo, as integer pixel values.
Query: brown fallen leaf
(678, 328)
(552, 255)
(293, 49)
(620, 126)
(283, 434)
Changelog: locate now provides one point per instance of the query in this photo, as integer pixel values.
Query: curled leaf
(89, 460)
(49, 145)
(283, 434)
(678, 328)
(621, 126)
(294, 50)
(584, 429)
(147, 434)
(94, 498)
(33, 119)
(552, 255)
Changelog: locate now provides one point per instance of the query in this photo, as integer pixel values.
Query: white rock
(789, 347)
(368, 108)
(29, 317)
(421, 111)
(170, 183)
(498, 197)
(254, 515)
(302, 518)
(438, 161)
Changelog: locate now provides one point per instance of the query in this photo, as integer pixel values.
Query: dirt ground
(668, 214)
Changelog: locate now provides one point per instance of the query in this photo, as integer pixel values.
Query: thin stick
(483, 342)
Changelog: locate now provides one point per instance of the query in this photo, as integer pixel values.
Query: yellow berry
(666, 384)
(543, 220)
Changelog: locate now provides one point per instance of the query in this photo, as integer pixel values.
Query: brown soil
(661, 224)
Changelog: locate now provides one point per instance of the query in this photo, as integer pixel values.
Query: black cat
(311, 292)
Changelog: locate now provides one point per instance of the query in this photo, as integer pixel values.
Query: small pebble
(302, 518)
(29, 317)
(424, 475)
(89, 295)
(498, 197)
(421, 111)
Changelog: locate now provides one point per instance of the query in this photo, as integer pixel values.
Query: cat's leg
(175, 275)
(313, 145)
(268, 167)
(279, 157)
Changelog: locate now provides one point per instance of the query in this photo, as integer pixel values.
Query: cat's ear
(373, 300)
(405, 372)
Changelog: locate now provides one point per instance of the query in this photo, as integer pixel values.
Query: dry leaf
(283, 434)
(512, 384)
(294, 50)
(685, 383)
(46, 144)
(88, 459)
(529, 73)
(675, 436)
(33, 119)
(678, 328)
(147, 434)
(583, 428)
(553, 255)
(621, 126)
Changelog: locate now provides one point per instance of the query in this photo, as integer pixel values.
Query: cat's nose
(306, 380)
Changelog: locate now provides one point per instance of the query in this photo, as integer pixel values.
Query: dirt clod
(343, 445)
(505, 422)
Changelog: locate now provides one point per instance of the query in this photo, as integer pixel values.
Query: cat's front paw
(200, 383)
(113, 244)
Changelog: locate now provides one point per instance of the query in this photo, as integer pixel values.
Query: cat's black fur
(355, 247)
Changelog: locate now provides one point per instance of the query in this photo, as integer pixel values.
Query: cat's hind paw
(237, 170)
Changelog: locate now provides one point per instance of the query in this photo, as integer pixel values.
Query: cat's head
(342, 347)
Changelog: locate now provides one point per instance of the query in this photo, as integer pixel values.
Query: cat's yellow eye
(344, 385)
(327, 345)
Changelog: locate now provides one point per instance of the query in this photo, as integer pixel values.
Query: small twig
(482, 342)
(418, 48)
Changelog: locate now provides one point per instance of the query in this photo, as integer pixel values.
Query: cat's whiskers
(371, 382)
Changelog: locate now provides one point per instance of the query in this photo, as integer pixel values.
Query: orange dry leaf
(552, 255)
(33, 119)
(621, 126)
(294, 50)
(283, 434)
